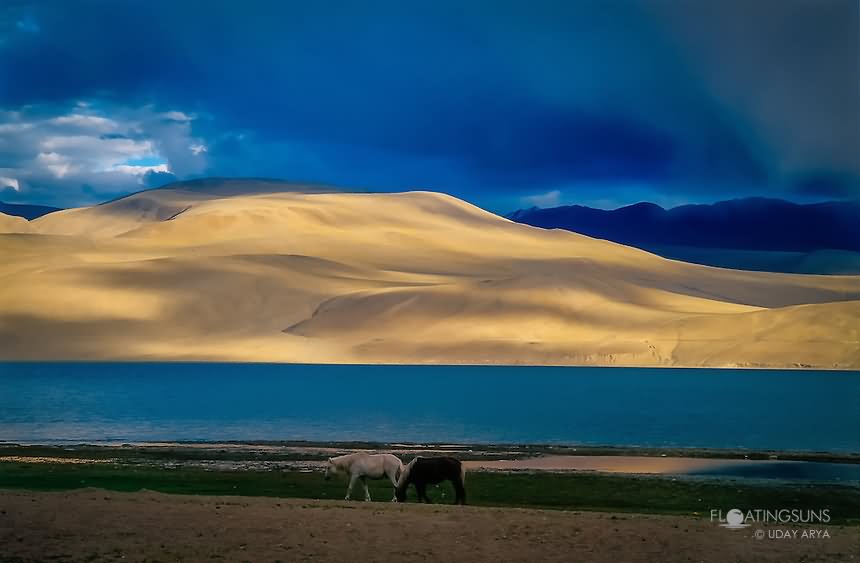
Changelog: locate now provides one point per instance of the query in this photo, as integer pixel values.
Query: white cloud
(139, 170)
(178, 116)
(6, 182)
(89, 152)
(548, 199)
(55, 163)
(196, 149)
(84, 146)
(14, 127)
(86, 121)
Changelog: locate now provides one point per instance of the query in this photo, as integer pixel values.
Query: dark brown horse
(423, 471)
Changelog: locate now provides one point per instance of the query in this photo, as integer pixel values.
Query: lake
(708, 408)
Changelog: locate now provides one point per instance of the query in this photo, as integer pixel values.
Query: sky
(505, 104)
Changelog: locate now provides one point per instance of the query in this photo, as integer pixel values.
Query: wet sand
(92, 524)
(611, 464)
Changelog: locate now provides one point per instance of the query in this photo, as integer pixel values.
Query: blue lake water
(756, 409)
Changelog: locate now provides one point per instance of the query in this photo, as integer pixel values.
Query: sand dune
(414, 277)
(13, 224)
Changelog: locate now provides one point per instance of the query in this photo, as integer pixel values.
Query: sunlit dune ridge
(414, 277)
(12, 224)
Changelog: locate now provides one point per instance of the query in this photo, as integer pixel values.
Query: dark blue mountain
(28, 212)
(759, 224)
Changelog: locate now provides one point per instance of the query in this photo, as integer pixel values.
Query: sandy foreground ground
(95, 525)
(412, 278)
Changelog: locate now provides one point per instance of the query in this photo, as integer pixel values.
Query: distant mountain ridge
(26, 211)
(762, 224)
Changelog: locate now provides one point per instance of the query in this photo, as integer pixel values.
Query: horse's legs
(421, 489)
(393, 479)
(352, 479)
(460, 490)
(366, 490)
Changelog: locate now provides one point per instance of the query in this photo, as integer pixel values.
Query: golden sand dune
(12, 224)
(414, 277)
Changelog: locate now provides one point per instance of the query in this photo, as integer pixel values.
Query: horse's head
(403, 481)
(330, 469)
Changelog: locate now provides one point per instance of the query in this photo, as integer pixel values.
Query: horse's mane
(342, 459)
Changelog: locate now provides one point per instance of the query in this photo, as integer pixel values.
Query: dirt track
(95, 525)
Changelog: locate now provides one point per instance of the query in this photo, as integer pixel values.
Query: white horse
(365, 466)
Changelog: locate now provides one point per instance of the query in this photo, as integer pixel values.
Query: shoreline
(468, 451)
(488, 364)
(727, 466)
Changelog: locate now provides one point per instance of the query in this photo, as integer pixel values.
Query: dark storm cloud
(490, 100)
(827, 185)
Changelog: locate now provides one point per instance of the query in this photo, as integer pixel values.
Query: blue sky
(506, 104)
